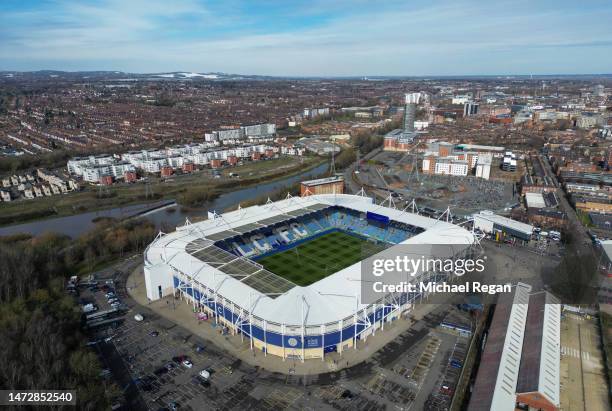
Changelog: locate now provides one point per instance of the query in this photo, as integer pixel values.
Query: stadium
(286, 275)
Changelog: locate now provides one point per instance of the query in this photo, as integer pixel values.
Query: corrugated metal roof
(539, 370)
(495, 385)
(504, 221)
(535, 200)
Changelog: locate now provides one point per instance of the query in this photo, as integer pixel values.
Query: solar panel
(197, 245)
(268, 283)
(275, 219)
(222, 235)
(214, 256)
(240, 268)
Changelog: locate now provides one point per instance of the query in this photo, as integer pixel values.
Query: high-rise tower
(412, 100)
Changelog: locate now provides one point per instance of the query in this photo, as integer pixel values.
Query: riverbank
(96, 199)
(77, 224)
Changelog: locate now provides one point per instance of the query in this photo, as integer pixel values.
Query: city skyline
(313, 38)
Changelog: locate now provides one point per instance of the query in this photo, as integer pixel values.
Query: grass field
(311, 261)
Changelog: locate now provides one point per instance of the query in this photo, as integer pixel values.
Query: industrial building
(328, 185)
(495, 151)
(210, 264)
(520, 364)
(535, 200)
(491, 223)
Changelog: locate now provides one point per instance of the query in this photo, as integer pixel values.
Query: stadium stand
(268, 239)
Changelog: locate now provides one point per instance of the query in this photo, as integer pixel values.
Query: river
(158, 212)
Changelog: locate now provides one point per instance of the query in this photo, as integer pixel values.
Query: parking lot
(146, 358)
(583, 377)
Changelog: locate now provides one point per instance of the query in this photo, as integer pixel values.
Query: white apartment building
(198, 159)
(176, 161)
(151, 161)
(315, 112)
(93, 174)
(483, 166)
(449, 166)
(232, 134)
(460, 99)
(259, 130)
(78, 164)
(153, 165)
(118, 170)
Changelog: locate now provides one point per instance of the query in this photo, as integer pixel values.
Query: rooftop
(184, 250)
(325, 180)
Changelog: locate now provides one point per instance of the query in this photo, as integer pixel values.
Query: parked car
(89, 308)
(187, 363)
(138, 317)
(179, 358)
(204, 374)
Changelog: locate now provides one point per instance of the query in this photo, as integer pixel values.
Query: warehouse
(520, 363)
(491, 223)
(535, 200)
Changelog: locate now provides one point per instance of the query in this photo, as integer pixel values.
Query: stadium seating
(299, 229)
(269, 239)
(260, 242)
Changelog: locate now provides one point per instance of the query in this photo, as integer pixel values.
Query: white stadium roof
(330, 299)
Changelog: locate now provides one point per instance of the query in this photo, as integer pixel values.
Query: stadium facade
(212, 264)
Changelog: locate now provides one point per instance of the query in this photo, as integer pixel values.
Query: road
(352, 186)
(582, 238)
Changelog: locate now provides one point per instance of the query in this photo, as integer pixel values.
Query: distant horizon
(362, 76)
(314, 38)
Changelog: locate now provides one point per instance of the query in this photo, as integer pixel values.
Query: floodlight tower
(412, 100)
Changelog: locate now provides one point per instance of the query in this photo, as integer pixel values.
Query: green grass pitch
(311, 261)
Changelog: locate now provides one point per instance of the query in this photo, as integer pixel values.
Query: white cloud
(438, 38)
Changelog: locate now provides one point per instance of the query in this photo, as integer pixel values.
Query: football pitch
(311, 261)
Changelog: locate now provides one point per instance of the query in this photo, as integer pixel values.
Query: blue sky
(309, 38)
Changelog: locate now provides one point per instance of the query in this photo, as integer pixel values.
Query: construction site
(400, 173)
